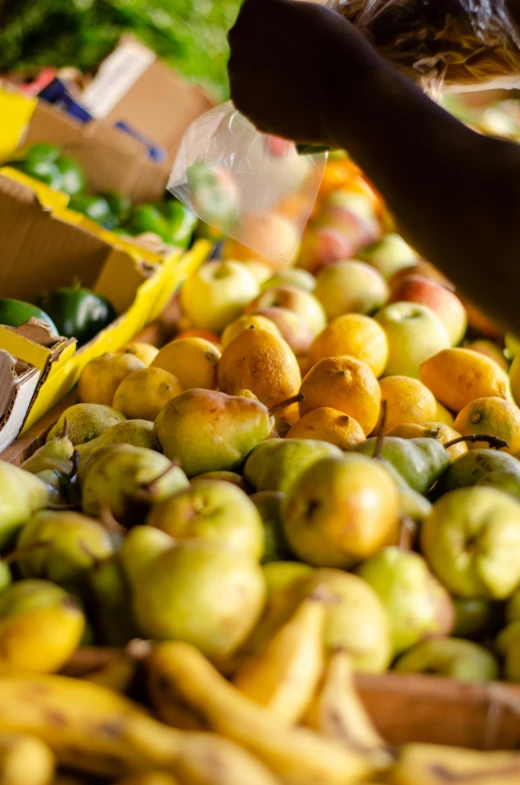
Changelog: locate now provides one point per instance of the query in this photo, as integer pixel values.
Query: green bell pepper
(13, 313)
(181, 223)
(78, 313)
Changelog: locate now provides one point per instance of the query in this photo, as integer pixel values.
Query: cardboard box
(43, 249)
(131, 86)
(18, 381)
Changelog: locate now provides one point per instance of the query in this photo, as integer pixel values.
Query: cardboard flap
(18, 381)
(13, 372)
(38, 331)
(22, 346)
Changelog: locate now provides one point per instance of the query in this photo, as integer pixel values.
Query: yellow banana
(150, 778)
(208, 759)
(40, 640)
(430, 764)
(285, 675)
(25, 760)
(337, 711)
(88, 727)
(178, 673)
(116, 675)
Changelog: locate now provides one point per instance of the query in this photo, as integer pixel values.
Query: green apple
(453, 657)
(389, 255)
(414, 334)
(350, 287)
(217, 294)
(418, 605)
(471, 541)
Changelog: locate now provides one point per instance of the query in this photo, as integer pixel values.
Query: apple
(424, 269)
(292, 327)
(302, 303)
(347, 287)
(389, 255)
(358, 204)
(260, 271)
(446, 304)
(322, 245)
(418, 605)
(217, 294)
(471, 541)
(291, 276)
(266, 237)
(414, 334)
(452, 657)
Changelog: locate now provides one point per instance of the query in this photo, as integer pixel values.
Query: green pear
(201, 593)
(274, 464)
(127, 481)
(212, 510)
(453, 657)
(513, 607)
(420, 461)
(269, 505)
(62, 490)
(5, 576)
(413, 505)
(473, 617)
(473, 465)
(472, 542)
(55, 455)
(74, 543)
(110, 588)
(85, 421)
(138, 433)
(508, 646)
(418, 605)
(232, 477)
(27, 595)
(209, 431)
(21, 495)
(509, 482)
(141, 546)
(279, 574)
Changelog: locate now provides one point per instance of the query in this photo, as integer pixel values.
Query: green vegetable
(13, 313)
(42, 151)
(72, 174)
(146, 218)
(94, 207)
(46, 171)
(119, 204)
(78, 313)
(181, 223)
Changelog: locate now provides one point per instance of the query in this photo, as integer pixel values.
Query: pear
(110, 588)
(55, 455)
(412, 504)
(211, 431)
(232, 477)
(215, 511)
(418, 605)
(508, 646)
(61, 489)
(138, 433)
(269, 505)
(454, 657)
(141, 546)
(473, 465)
(420, 461)
(127, 480)
(262, 362)
(474, 618)
(279, 574)
(201, 593)
(275, 464)
(509, 482)
(5, 576)
(73, 544)
(21, 495)
(86, 421)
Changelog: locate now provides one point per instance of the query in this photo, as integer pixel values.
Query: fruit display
(317, 477)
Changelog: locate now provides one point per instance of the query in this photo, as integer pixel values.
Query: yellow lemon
(345, 384)
(407, 401)
(143, 393)
(433, 430)
(192, 360)
(354, 334)
(494, 417)
(443, 415)
(101, 377)
(458, 376)
(328, 425)
(489, 349)
(244, 322)
(145, 352)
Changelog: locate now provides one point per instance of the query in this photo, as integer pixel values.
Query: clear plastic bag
(250, 186)
(448, 45)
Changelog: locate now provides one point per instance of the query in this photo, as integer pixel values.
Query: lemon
(492, 416)
(328, 425)
(192, 360)
(407, 401)
(355, 335)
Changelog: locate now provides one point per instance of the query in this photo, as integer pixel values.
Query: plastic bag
(453, 45)
(250, 186)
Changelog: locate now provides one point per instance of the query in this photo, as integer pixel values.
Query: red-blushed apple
(293, 328)
(324, 246)
(446, 304)
(291, 276)
(426, 270)
(389, 255)
(302, 303)
(350, 287)
(414, 334)
(359, 204)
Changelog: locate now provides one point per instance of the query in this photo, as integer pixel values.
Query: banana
(150, 778)
(178, 673)
(430, 764)
(25, 760)
(337, 711)
(41, 640)
(285, 675)
(88, 727)
(208, 759)
(116, 675)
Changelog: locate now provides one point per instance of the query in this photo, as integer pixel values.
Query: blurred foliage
(188, 34)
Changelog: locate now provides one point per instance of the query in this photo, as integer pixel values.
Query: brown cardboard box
(18, 381)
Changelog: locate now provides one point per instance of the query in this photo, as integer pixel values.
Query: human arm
(303, 72)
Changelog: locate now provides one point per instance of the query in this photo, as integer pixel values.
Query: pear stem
(148, 487)
(288, 402)
(15, 555)
(66, 429)
(381, 431)
(407, 533)
(494, 442)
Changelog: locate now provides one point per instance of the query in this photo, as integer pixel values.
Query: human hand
(291, 68)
